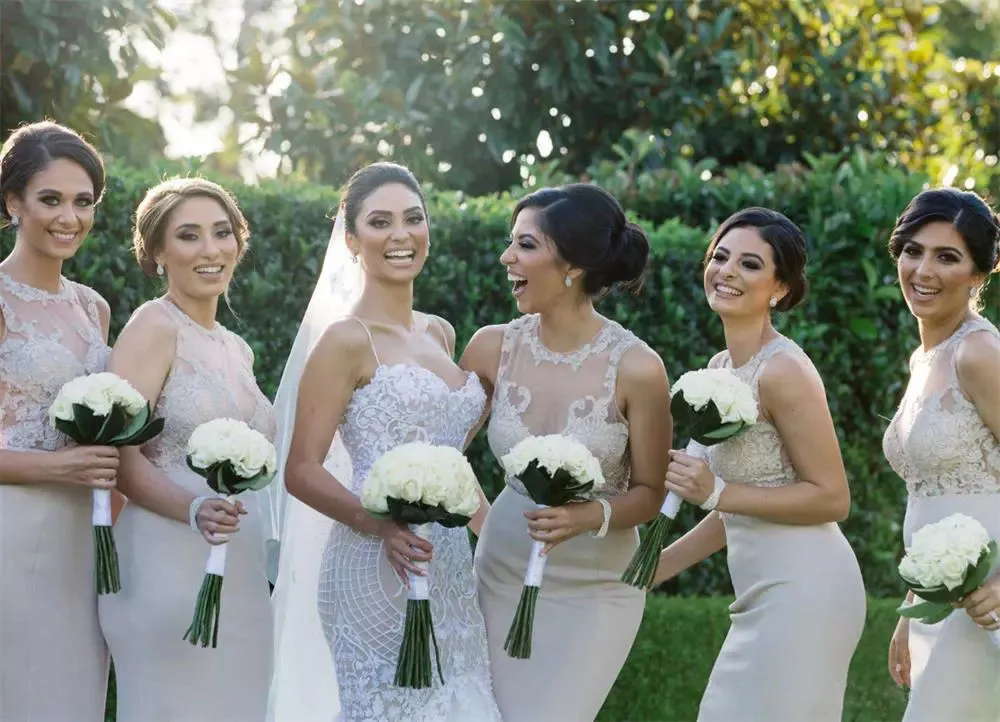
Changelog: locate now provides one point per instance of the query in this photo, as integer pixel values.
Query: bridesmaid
(53, 661)
(190, 232)
(943, 442)
(564, 369)
(800, 601)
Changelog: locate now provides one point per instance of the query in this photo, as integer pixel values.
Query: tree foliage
(76, 63)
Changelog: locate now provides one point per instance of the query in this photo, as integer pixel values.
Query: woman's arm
(708, 537)
(791, 394)
(644, 388)
(143, 356)
(334, 369)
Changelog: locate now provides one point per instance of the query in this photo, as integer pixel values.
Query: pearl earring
(773, 302)
(159, 269)
(568, 281)
(15, 221)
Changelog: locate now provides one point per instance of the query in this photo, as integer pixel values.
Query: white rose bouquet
(710, 405)
(233, 458)
(554, 470)
(946, 561)
(103, 410)
(421, 484)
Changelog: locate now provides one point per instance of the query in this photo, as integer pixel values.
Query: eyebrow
(196, 226)
(53, 191)
(389, 213)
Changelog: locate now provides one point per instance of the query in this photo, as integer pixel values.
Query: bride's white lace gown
(53, 661)
(950, 461)
(361, 600)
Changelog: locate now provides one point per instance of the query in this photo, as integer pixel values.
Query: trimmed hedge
(668, 668)
(854, 324)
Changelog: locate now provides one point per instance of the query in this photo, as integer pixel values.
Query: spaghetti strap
(371, 339)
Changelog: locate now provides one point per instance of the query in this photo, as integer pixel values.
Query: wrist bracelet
(606, 509)
(193, 512)
(712, 501)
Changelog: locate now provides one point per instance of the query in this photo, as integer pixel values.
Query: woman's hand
(95, 467)
(218, 519)
(555, 524)
(899, 653)
(983, 605)
(690, 478)
(403, 549)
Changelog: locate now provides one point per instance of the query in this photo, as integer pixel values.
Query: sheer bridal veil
(304, 683)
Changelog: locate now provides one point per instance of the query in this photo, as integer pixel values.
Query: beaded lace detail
(362, 620)
(576, 393)
(50, 339)
(937, 441)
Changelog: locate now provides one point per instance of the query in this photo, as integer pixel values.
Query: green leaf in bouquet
(256, 483)
(112, 425)
(977, 574)
(726, 431)
(139, 430)
(72, 430)
(87, 423)
(937, 595)
(415, 512)
(927, 612)
(685, 417)
(555, 490)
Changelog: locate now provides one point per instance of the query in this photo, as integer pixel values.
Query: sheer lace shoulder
(758, 455)
(937, 441)
(540, 391)
(50, 338)
(211, 377)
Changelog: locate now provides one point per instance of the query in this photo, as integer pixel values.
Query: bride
(368, 373)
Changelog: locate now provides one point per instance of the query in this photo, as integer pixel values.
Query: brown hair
(153, 214)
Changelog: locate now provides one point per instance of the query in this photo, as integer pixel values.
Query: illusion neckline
(213, 332)
(756, 356)
(28, 292)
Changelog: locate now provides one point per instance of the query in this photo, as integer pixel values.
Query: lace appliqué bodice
(541, 392)
(361, 618)
(211, 377)
(757, 456)
(51, 338)
(937, 441)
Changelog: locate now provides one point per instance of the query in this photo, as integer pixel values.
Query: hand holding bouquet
(420, 484)
(946, 561)
(554, 470)
(103, 410)
(710, 405)
(232, 458)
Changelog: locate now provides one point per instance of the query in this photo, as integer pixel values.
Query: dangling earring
(773, 302)
(15, 221)
(159, 269)
(354, 258)
(972, 291)
(568, 281)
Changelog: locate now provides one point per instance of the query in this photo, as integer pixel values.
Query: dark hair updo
(369, 179)
(590, 232)
(967, 213)
(29, 150)
(788, 245)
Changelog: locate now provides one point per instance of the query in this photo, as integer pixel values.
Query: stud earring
(773, 302)
(568, 281)
(15, 221)
(159, 269)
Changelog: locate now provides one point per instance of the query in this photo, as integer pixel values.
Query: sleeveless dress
(160, 676)
(53, 662)
(586, 619)
(950, 461)
(361, 601)
(800, 600)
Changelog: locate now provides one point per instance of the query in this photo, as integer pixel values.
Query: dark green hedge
(854, 323)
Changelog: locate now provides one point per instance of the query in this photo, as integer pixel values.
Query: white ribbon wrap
(536, 565)
(216, 563)
(672, 504)
(995, 636)
(101, 514)
(419, 585)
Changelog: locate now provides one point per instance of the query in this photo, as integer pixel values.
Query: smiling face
(391, 236)
(740, 276)
(534, 268)
(200, 249)
(56, 209)
(936, 272)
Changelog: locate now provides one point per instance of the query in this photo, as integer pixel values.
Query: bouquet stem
(413, 667)
(640, 571)
(518, 642)
(107, 577)
(204, 629)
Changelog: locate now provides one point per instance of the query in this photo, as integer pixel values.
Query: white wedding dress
(361, 600)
